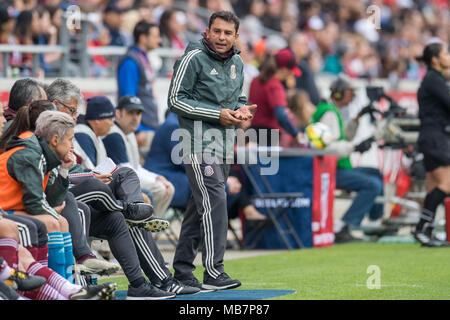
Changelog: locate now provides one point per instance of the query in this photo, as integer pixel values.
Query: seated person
(90, 152)
(121, 146)
(19, 269)
(116, 198)
(25, 121)
(23, 93)
(27, 164)
(367, 182)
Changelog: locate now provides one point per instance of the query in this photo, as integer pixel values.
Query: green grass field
(407, 271)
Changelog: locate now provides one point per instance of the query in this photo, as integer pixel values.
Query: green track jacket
(24, 170)
(202, 84)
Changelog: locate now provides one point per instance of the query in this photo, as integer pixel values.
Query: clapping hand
(245, 112)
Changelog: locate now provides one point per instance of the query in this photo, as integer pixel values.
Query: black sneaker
(147, 291)
(435, 243)
(223, 281)
(141, 215)
(173, 285)
(426, 239)
(345, 236)
(137, 212)
(24, 282)
(7, 292)
(421, 236)
(195, 283)
(103, 291)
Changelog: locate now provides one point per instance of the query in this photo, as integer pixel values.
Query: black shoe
(137, 212)
(7, 292)
(223, 281)
(435, 243)
(421, 236)
(427, 240)
(147, 291)
(24, 282)
(103, 291)
(141, 215)
(344, 236)
(173, 285)
(193, 282)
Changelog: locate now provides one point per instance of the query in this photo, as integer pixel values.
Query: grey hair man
(66, 96)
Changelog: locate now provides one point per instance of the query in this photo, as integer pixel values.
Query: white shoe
(97, 266)
(372, 224)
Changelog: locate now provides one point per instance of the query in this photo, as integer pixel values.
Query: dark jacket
(202, 84)
(29, 176)
(434, 101)
(434, 113)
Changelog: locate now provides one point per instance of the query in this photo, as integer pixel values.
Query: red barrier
(324, 169)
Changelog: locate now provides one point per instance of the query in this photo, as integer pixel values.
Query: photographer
(367, 182)
(434, 137)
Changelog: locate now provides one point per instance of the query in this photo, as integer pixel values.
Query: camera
(374, 93)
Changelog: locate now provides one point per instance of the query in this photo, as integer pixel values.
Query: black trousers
(32, 232)
(133, 248)
(205, 220)
(77, 215)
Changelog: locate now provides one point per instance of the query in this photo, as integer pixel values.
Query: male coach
(205, 92)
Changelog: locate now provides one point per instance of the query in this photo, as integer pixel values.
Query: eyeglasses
(73, 111)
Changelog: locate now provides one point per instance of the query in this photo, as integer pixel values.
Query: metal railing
(79, 42)
(85, 53)
(34, 50)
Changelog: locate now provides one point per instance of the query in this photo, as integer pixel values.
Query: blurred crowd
(363, 39)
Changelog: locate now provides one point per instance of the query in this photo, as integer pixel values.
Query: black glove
(365, 145)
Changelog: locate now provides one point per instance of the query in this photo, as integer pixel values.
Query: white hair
(51, 122)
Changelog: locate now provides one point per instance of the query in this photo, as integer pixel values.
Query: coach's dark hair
(430, 51)
(23, 92)
(142, 27)
(228, 16)
(25, 120)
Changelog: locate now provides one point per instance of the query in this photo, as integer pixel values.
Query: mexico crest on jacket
(209, 171)
(233, 72)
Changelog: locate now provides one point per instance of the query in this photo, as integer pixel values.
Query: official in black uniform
(434, 138)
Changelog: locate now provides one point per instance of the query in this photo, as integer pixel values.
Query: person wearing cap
(118, 190)
(121, 146)
(88, 145)
(367, 182)
(267, 91)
